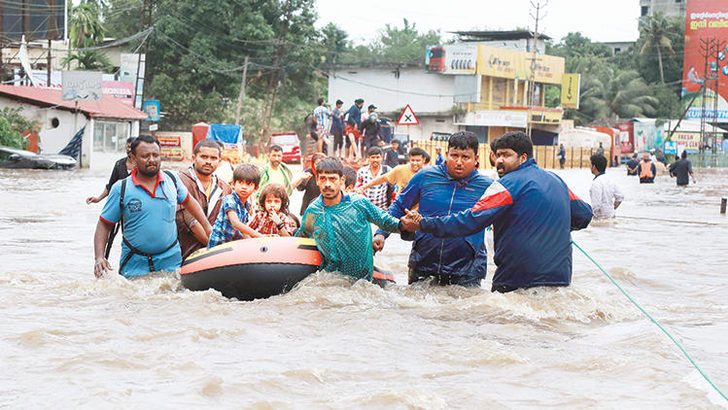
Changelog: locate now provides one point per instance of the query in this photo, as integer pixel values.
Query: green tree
(334, 42)
(394, 45)
(86, 30)
(12, 127)
(654, 31)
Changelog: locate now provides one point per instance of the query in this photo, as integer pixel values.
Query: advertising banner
(503, 63)
(705, 20)
(170, 148)
(451, 59)
(689, 141)
(570, 91)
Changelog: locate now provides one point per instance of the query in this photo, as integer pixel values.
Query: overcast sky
(600, 20)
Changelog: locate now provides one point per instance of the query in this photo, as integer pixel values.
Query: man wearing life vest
(647, 169)
(532, 212)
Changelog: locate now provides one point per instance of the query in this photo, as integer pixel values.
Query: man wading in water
(145, 203)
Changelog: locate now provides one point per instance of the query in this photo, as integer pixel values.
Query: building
(619, 46)
(108, 122)
(480, 84)
(670, 8)
(391, 88)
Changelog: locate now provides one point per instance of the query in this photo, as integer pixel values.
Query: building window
(645, 11)
(110, 136)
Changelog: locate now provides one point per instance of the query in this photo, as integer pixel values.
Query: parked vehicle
(290, 144)
(17, 158)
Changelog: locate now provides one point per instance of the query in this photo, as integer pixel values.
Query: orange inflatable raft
(256, 268)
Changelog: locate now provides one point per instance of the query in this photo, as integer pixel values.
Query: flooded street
(70, 340)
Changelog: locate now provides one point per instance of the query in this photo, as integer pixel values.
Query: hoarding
(34, 19)
(452, 59)
(170, 147)
(81, 85)
(570, 85)
(705, 20)
(503, 63)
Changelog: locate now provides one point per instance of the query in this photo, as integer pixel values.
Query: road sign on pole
(408, 117)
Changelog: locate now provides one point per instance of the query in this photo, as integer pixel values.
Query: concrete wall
(428, 125)
(425, 93)
(51, 139)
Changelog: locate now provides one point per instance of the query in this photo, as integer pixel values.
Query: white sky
(600, 20)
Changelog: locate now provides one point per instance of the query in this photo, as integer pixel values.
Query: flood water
(70, 340)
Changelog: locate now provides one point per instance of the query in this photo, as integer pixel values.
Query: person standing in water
(122, 169)
(682, 169)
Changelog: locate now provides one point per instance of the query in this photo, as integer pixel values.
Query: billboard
(34, 19)
(705, 20)
(451, 59)
(504, 63)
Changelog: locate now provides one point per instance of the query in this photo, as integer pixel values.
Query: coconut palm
(654, 29)
(85, 27)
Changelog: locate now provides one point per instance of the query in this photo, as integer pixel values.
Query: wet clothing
(439, 195)
(148, 223)
(263, 223)
(647, 172)
(118, 173)
(223, 231)
(440, 159)
(633, 164)
(343, 233)
(604, 192)
(532, 212)
(378, 193)
(210, 202)
(391, 157)
(681, 169)
(310, 191)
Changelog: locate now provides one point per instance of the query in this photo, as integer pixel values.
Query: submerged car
(290, 144)
(18, 158)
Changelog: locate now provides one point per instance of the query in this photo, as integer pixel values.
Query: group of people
(353, 131)
(646, 168)
(443, 209)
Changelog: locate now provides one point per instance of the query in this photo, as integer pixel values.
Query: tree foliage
(394, 45)
(12, 127)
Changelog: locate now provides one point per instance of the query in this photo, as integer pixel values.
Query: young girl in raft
(274, 219)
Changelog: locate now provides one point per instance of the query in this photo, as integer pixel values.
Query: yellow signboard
(570, 85)
(503, 63)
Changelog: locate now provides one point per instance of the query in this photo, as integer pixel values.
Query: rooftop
(108, 107)
(498, 35)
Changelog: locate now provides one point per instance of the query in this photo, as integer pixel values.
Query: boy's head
(349, 178)
(339, 103)
(330, 177)
(246, 178)
(598, 163)
(374, 156)
(273, 198)
(275, 155)
(417, 158)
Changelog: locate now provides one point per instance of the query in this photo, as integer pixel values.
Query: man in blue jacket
(532, 212)
(439, 191)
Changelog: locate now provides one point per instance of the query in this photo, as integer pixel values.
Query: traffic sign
(408, 117)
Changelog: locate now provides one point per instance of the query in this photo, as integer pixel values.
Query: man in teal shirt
(340, 224)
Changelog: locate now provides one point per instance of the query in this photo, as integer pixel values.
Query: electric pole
(275, 77)
(536, 15)
(146, 23)
(241, 96)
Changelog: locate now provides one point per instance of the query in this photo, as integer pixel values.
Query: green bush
(12, 126)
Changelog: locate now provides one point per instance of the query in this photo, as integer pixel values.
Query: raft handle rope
(679, 346)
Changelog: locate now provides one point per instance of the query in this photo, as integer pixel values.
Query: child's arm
(243, 228)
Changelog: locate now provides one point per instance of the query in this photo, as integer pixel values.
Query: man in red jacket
(207, 189)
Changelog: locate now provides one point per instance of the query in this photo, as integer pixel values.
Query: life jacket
(646, 170)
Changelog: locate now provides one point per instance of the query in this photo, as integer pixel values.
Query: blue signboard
(151, 108)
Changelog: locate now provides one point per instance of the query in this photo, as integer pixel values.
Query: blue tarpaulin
(226, 133)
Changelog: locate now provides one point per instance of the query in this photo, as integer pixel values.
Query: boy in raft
(231, 222)
(340, 224)
(273, 220)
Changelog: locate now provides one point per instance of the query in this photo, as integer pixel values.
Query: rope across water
(679, 346)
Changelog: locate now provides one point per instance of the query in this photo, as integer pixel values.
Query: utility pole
(276, 74)
(709, 49)
(52, 31)
(536, 15)
(146, 23)
(241, 96)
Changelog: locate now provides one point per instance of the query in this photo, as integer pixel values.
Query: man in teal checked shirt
(340, 224)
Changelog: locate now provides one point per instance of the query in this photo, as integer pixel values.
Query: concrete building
(619, 46)
(470, 85)
(108, 122)
(670, 8)
(391, 88)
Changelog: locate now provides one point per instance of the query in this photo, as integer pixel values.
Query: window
(645, 11)
(110, 136)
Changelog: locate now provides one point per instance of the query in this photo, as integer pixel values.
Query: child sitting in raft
(234, 213)
(274, 219)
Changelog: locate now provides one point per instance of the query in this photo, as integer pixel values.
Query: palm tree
(654, 29)
(85, 26)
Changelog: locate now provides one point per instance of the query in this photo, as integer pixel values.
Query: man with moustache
(532, 212)
(145, 203)
(340, 224)
(204, 187)
(444, 190)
